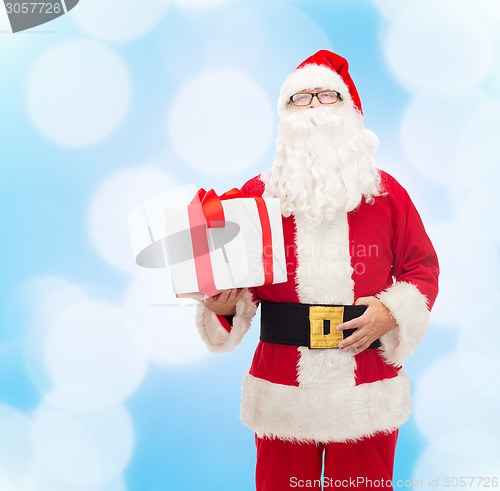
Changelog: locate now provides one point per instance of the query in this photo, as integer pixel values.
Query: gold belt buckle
(322, 323)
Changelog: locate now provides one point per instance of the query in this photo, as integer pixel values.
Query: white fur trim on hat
(311, 77)
(410, 309)
(215, 336)
(331, 414)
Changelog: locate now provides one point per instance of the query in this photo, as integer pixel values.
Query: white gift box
(208, 260)
(235, 252)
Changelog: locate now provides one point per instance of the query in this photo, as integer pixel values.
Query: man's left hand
(374, 323)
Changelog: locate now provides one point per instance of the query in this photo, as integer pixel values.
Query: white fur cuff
(409, 308)
(215, 336)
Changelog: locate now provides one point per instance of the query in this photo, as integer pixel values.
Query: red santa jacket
(379, 249)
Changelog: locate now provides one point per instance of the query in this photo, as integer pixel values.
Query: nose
(314, 102)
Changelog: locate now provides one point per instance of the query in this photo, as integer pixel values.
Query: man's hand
(374, 323)
(225, 302)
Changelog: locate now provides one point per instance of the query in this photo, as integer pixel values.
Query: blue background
(183, 411)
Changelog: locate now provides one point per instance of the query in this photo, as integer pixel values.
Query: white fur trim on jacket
(310, 77)
(325, 414)
(410, 309)
(325, 368)
(215, 336)
(323, 254)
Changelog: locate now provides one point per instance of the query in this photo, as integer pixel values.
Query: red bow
(212, 205)
(206, 207)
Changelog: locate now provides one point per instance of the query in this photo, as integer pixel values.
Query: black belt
(299, 324)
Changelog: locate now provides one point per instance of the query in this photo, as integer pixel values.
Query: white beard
(324, 163)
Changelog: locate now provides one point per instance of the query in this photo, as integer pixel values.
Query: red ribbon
(206, 208)
(212, 205)
(267, 241)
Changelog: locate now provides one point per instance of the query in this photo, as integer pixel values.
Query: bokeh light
(221, 122)
(90, 343)
(111, 204)
(119, 20)
(164, 325)
(453, 51)
(201, 4)
(88, 448)
(67, 101)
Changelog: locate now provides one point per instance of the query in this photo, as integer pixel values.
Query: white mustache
(307, 119)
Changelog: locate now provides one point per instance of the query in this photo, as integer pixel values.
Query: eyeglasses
(324, 97)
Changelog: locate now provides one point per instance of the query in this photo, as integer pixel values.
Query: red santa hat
(323, 69)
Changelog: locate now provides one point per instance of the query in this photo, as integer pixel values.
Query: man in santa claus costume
(326, 394)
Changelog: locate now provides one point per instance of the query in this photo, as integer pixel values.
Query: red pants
(363, 464)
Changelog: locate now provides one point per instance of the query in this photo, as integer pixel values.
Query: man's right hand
(225, 302)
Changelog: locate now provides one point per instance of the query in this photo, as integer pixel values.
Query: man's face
(315, 102)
